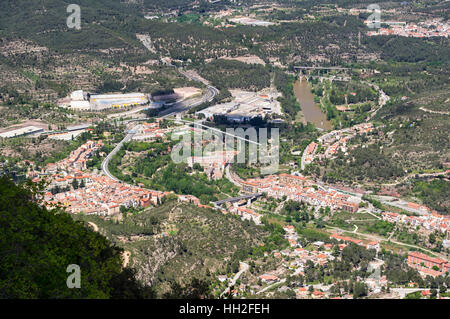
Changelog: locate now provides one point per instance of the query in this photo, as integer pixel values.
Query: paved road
(177, 108)
(380, 239)
(183, 106)
(229, 176)
(108, 158)
(370, 213)
(94, 226)
(270, 286)
(434, 112)
(384, 98)
(244, 267)
(125, 114)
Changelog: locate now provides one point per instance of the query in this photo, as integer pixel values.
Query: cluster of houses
(334, 141)
(430, 221)
(346, 240)
(301, 189)
(150, 132)
(213, 163)
(426, 29)
(299, 257)
(97, 194)
(104, 196)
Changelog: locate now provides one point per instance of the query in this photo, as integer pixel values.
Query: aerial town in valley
(158, 138)
(426, 29)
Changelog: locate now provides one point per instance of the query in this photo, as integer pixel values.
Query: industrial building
(79, 100)
(245, 106)
(83, 101)
(106, 101)
(23, 131)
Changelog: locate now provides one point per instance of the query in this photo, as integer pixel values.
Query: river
(311, 110)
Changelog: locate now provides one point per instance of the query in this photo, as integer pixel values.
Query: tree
(37, 245)
(442, 289)
(433, 293)
(432, 238)
(196, 289)
(359, 290)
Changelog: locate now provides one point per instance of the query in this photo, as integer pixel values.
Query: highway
(179, 107)
(183, 106)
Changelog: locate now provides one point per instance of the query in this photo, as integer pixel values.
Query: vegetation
(226, 74)
(173, 243)
(150, 164)
(434, 194)
(38, 245)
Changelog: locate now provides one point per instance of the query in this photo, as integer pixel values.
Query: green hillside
(37, 245)
(180, 241)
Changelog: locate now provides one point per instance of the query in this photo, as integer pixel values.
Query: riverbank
(309, 108)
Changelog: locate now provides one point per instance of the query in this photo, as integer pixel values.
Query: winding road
(183, 106)
(178, 107)
(244, 267)
(108, 158)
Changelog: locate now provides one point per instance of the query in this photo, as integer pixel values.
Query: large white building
(106, 101)
(21, 132)
(81, 100)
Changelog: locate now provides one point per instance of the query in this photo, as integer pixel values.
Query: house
(268, 279)
(318, 243)
(287, 179)
(249, 214)
(416, 258)
(373, 245)
(317, 294)
(303, 291)
(113, 209)
(250, 187)
(349, 207)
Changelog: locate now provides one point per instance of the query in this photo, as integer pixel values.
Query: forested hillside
(176, 242)
(37, 245)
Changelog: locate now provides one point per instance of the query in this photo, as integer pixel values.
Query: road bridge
(237, 199)
(319, 68)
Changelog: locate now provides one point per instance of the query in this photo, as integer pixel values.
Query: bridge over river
(237, 199)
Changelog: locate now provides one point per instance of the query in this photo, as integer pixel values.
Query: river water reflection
(311, 110)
